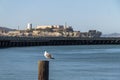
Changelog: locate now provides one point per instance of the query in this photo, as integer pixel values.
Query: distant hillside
(111, 35)
(6, 29)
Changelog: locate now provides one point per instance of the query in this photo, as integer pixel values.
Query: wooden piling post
(43, 70)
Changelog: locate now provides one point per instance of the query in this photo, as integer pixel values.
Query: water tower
(29, 26)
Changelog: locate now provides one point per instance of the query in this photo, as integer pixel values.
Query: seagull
(48, 55)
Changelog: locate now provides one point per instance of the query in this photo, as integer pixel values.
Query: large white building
(50, 26)
(44, 27)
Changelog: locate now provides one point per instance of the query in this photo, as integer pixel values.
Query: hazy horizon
(82, 15)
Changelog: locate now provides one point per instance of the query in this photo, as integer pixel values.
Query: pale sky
(82, 15)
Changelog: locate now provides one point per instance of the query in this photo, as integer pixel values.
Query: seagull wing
(48, 55)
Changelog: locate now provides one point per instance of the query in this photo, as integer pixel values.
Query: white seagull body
(48, 55)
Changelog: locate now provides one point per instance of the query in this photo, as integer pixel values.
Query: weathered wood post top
(43, 70)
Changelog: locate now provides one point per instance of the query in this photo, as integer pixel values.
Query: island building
(51, 26)
(29, 26)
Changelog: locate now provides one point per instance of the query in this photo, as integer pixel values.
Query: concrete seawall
(46, 41)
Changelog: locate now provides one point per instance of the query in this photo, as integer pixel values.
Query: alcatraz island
(47, 35)
(49, 31)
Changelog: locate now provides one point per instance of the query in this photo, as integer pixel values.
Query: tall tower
(29, 26)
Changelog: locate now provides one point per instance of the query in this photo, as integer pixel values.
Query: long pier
(6, 41)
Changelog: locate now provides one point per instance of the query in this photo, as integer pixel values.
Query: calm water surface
(88, 62)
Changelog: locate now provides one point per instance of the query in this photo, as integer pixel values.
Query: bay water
(82, 62)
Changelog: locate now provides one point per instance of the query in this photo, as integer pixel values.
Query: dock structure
(6, 41)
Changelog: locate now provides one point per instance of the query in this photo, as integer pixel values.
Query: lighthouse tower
(29, 26)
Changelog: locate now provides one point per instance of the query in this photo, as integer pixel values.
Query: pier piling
(43, 70)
